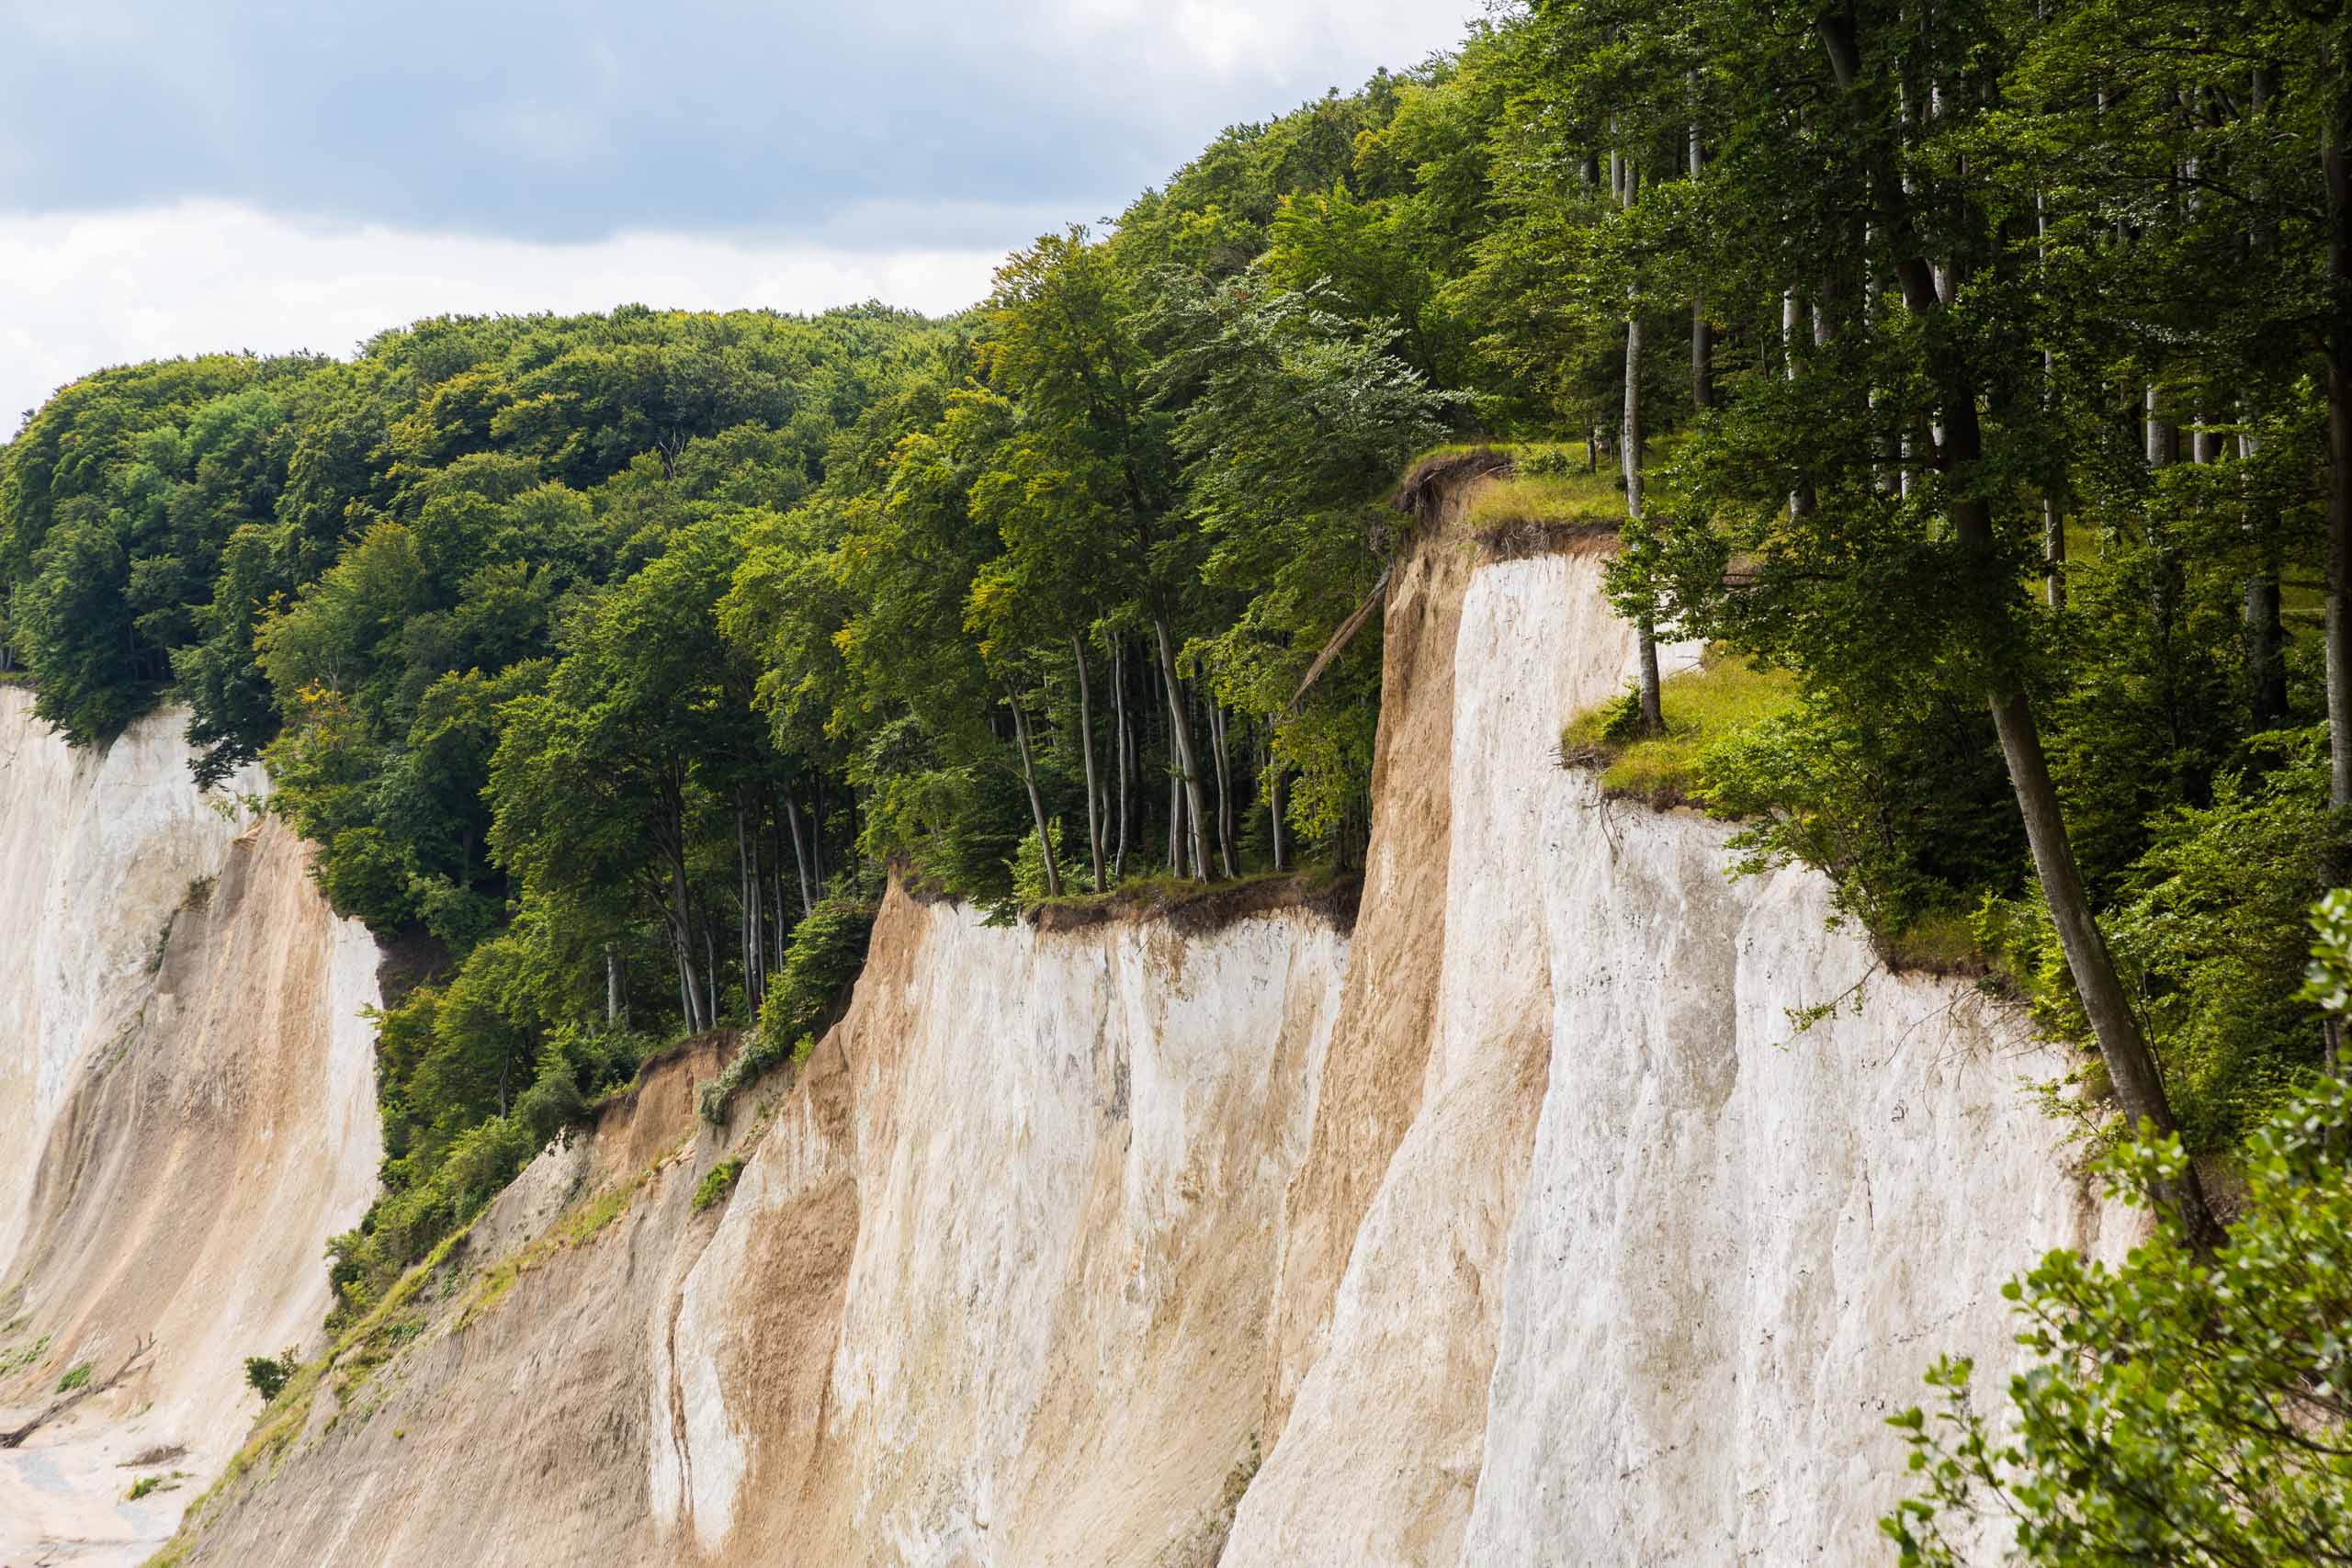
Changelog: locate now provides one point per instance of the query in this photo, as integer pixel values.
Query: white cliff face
(97, 850)
(1067, 1152)
(1738, 1244)
(189, 1081)
(1521, 1225)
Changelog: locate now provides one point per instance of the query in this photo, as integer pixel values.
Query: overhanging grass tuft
(1571, 496)
(1723, 696)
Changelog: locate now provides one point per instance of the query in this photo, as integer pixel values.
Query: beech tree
(1059, 337)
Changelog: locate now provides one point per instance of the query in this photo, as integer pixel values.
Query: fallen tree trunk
(16, 1439)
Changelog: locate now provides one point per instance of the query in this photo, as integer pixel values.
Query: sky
(185, 176)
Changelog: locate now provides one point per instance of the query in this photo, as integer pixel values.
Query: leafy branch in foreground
(2181, 1410)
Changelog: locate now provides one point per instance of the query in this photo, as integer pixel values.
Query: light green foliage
(1711, 705)
(19, 1358)
(1902, 803)
(78, 1377)
(2181, 1410)
(827, 951)
(1029, 866)
(1295, 421)
(2207, 928)
(716, 1183)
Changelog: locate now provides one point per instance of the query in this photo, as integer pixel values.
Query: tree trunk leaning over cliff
(2132, 1067)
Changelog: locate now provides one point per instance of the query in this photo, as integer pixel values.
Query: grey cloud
(908, 125)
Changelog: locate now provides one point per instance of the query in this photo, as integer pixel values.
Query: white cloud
(1291, 42)
(107, 289)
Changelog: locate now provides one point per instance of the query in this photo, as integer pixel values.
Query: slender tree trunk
(2130, 1066)
(1086, 737)
(710, 978)
(2054, 513)
(2053, 553)
(1224, 788)
(1180, 731)
(2162, 438)
(799, 858)
(2266, 636)
(1651, 700)
(1276, 790)
(1175, 788)
(1175, 824)
(1702, 346)
(748, 882)
(1801, 497)
(776, 924)
(1269, 783)
(1653, 710)
(816, 830)
(1036, 803)
(682, 938)
(612, 985)
(2335, 167)
(1126, 762)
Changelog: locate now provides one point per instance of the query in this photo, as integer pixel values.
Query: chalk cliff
(187, 1113)
(1505, 1219)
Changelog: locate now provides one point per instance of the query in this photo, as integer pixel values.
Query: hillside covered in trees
(1983, 369)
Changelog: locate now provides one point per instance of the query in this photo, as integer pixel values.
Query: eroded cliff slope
(187, 1113)
(1513, 1221)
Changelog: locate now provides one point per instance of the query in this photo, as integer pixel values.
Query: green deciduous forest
(1981, 371)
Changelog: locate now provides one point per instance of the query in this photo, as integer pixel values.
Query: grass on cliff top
(1723, 695)
(1547, 484)
(1145, 891)
(1196, 909)
(1571, 496)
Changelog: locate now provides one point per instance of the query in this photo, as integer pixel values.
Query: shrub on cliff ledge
(265, 1375)
(827, 950)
